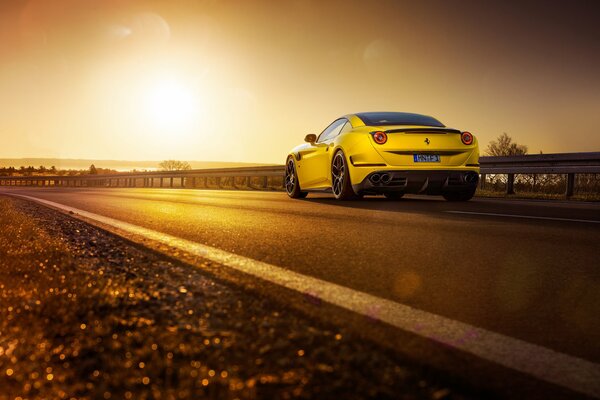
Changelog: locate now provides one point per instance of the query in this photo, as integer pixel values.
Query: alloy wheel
(290, 176)
(338, 170)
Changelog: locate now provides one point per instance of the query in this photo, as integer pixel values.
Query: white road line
(561, 369)
(589, 221)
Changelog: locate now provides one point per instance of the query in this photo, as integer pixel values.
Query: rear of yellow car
(417, 159)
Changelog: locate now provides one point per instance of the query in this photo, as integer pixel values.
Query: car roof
(383, 118)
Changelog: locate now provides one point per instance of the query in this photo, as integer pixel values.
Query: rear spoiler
(434, 130)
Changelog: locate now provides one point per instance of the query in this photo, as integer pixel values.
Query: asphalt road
(525, 269)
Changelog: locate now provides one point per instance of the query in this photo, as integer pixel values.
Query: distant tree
(41, 169)
(106, 171)
(53, 170)
(504, 146)
(93, 170)
(174, 165)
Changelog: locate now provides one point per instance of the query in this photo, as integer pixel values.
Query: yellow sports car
(389, 153)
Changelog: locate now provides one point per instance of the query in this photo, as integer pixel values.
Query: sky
(246, 80)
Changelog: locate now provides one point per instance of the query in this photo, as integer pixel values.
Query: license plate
(426, 157)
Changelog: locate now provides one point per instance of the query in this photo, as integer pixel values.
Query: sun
(170, 104)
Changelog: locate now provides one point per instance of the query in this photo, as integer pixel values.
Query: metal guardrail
(198, 178)
(559, 163)
(271, 177)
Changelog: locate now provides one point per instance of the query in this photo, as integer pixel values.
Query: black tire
(459, 196)
(340, 178)
(393, 195)
(291, 183)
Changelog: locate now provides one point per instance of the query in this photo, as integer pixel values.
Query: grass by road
(537, 195)
(86, 315)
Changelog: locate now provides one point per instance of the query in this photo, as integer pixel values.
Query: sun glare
(170, 104)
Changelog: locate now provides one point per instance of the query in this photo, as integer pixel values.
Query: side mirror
(310, 138)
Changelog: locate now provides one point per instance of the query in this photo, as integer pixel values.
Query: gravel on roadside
(87, 315)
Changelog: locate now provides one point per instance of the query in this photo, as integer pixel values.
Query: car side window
(346, 128)
(332, 130)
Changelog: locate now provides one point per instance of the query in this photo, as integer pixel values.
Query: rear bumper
(433, 182)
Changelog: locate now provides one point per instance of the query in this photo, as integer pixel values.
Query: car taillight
(466, 138)
(380, 137)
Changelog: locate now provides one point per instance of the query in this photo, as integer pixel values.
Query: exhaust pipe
(385, 178)
(375, 178)
(471, 177)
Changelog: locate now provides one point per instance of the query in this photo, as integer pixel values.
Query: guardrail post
(265, 182)
(510, 184)
(570, 185)
(171, 183)
(482, 181)
(161, 182)
(247, 182)
(182, 182)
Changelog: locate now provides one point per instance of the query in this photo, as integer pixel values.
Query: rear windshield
(398, 118)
